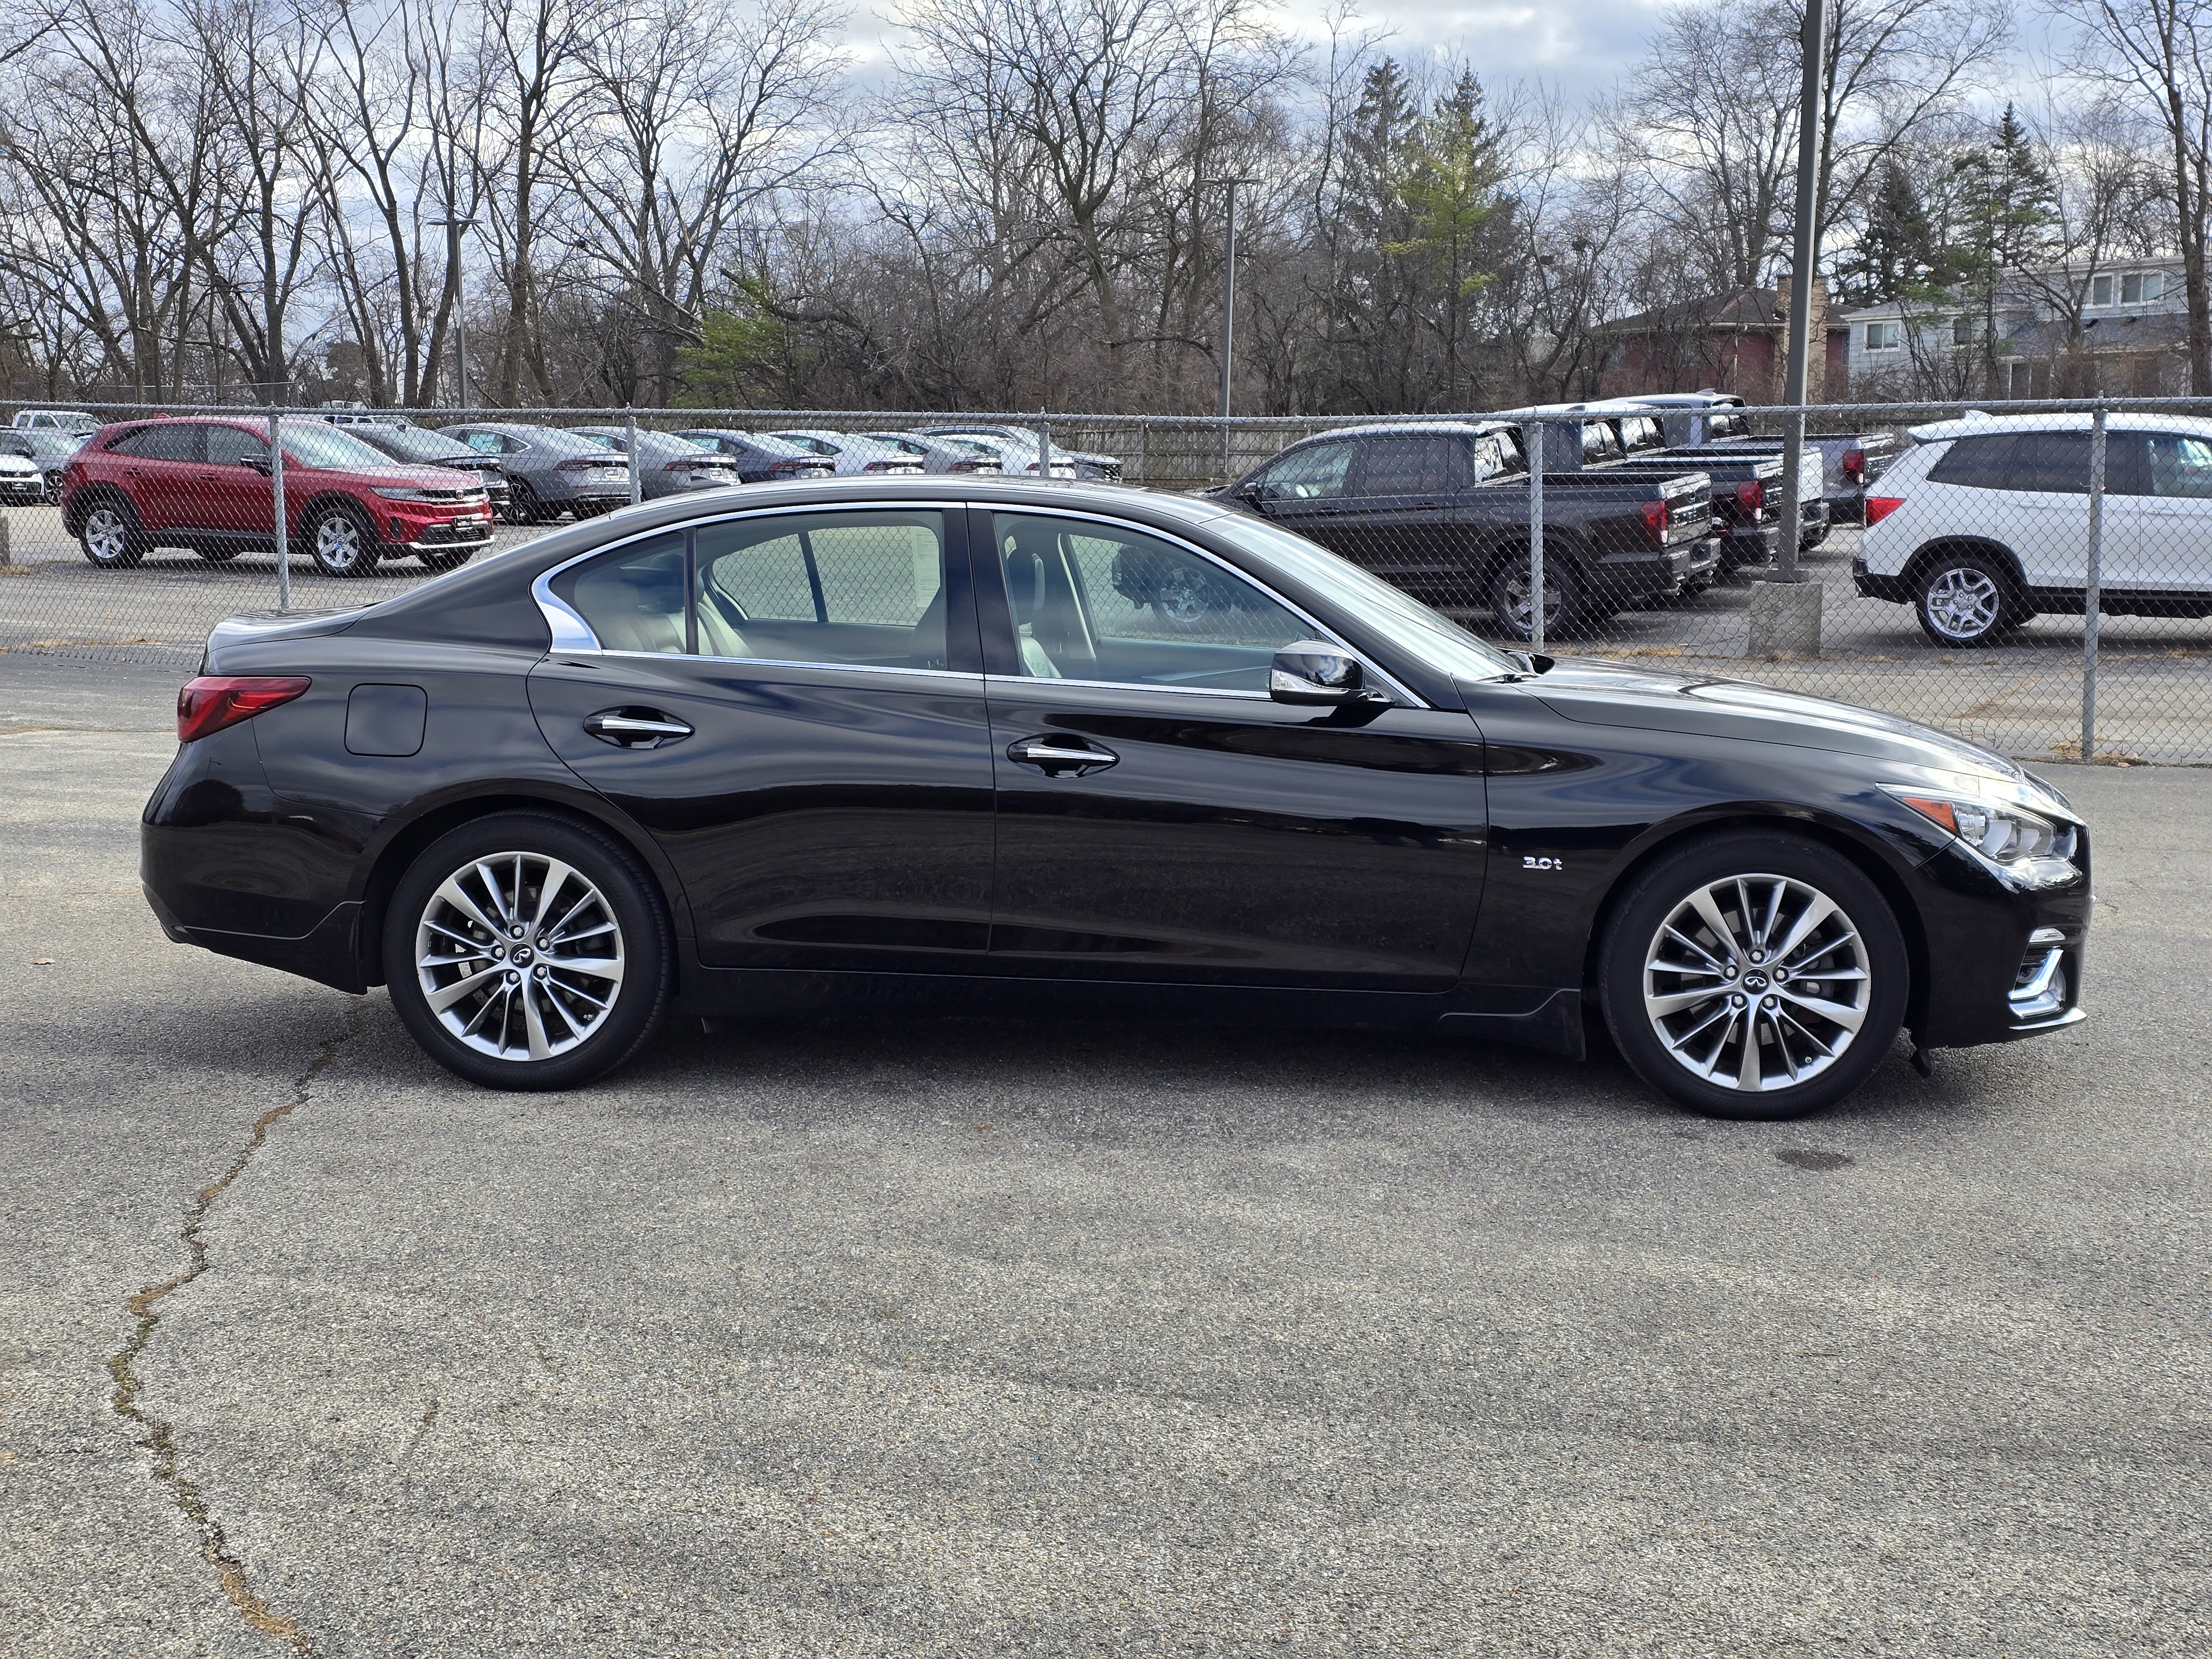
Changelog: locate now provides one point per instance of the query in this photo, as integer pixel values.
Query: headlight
(400, 493)
(2034, 850)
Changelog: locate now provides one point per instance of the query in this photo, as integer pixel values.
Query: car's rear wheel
(522, 505)
(340, 541)
(1566, 602)
(1753, 974)
(1968, 600)
(110, 534)
(526, 951)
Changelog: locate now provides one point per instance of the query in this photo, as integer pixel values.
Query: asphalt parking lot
(977, 1338)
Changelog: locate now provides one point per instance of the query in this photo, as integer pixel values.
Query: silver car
(936, 454)
(550, 472)
(1016, 459)
(667, 464)
(850, 454)
(1065, 463)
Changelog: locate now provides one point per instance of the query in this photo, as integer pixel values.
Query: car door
(236, 493)
(2170, 548)
(1161, 818)
(1400, 515)
(2043, 507)
(790, 702)
(161, 468)
(1302, 488)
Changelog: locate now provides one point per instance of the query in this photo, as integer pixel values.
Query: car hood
(430, 475)
(1599, 693)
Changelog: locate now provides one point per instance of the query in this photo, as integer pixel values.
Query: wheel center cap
(522, 953)
(1750, 981)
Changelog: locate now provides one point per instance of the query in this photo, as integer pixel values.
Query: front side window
(1599, 443)
(863, 588)
(2180, 465)
(1412, 465)
(1097, 601)
(1640, 432)
(1729, 425)
(1496, 454)
(233, 445)
(1311, 472)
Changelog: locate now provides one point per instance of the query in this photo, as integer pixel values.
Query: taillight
(880, 467)
(1855, 465)
(579, 466)
(1750, 495)
(1657, 517)
(965, 466)
(1879, 508)
(212, 701)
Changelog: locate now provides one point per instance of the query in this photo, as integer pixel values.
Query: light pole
(453, 229)
(1228, 313)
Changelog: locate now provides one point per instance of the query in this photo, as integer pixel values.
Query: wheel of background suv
(1967, 599)
(1753, 974)
(110, 535)
(526, 951)
(340, 541)
(452, 561)
(1564, 603)
(522, 507)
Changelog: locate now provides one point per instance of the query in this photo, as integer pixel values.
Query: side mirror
(1315, 671)
(259, 464)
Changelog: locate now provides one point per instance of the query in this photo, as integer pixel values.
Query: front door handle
(1055, 756)
(636, 728)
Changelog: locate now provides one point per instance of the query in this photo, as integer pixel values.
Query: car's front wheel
(526, 951)
(1967, 599)
(1753, 974)
(341, 543)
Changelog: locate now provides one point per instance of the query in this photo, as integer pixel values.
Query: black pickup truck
(1441, 509)
(1746, 497)
(1849, 460)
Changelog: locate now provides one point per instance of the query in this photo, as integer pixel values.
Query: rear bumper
(1750, 543)
(1871, 586)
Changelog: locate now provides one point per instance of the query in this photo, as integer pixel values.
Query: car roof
(1980, 423)
(1385, 428)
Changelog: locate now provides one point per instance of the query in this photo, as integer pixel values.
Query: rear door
(1399, 516)
(1160, 817)
(790, 703)
(160, 469)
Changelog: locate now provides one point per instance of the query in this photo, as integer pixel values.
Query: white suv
(1984, 522)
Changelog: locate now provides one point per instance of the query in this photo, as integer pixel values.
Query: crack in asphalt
(158, 1437)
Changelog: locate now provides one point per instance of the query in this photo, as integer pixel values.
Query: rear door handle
(636, 728)
(1054, 756)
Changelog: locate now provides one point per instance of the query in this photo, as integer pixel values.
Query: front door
(1303, 490)
(790, 703)
(1160, 817)
(2166, 541)
(236, 495)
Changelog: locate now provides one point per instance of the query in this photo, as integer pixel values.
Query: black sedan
(403, 440)
(930, 742)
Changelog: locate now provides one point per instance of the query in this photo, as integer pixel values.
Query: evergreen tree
(1450, 194)
(1899, 251)
(2006, 207)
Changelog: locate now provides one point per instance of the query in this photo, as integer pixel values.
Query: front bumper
(2002, 962)
(438, 536)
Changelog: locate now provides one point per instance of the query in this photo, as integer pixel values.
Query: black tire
(452, 561)
(341, 540)
(1566, 599)
(217, 555)
(522, 505)
(625, 897)
(1666, 1044)
(1966, 600)
(109, 532)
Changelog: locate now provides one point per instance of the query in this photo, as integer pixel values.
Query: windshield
(1435, 638)
(318, 445)
(412, 443)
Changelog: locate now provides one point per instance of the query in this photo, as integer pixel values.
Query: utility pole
(1785, 611)
(1228, 316)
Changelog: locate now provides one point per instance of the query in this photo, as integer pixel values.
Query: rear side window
(865, 589)
(1976, 462)
(2053, 462)
(484, 443)
(1415, 465)
(169, 441)
(634, 598)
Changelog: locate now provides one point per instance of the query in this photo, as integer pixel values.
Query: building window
(1962, 328)
(2142, 287)
(1884, 337)
(2100, 290)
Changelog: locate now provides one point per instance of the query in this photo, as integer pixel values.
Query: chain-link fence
(2035, 576)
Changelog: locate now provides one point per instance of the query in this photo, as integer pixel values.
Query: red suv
(204, 483)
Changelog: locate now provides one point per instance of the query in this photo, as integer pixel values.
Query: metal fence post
(1535, 431)
(1044, 445)
(1144, 452)
(278, 520)
(636, 475)
(2092, 594)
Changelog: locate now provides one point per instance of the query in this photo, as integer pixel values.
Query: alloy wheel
(1756, 983)
(107, 535)
(340, 548)
(1963, 604)
(1517, 587)
(520, 956)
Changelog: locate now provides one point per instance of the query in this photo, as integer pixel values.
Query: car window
(1599, 443)
(1976, 462)
(12, 444)
(168, 441)
(2053, 463)
(1497, 453)
(484, 443)
(2180, 465)
(1312, 472)
(1097, 601)
(634, 597)
(1639, 432)
(1412, 465)
(865, 588)
(233, 445)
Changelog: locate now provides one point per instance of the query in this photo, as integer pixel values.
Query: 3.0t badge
(1530, 862)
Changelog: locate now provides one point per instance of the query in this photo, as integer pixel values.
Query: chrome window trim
(785, 662)
(1319, 633)
(1135, 685)
(572, 633)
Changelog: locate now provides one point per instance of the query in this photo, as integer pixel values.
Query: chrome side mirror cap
(1315, 671)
